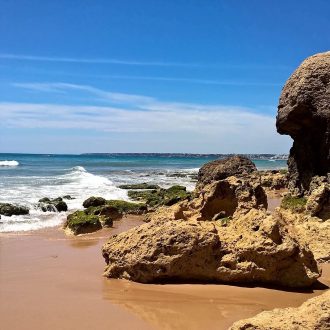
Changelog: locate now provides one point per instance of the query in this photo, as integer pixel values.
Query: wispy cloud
(162, 63)
(137, 101)
(22, 57)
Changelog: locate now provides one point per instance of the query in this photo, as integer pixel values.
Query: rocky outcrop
(224, 168)
(271, 180)
(220, 199)
(253, 248)
(304, 114)
(52, 205)
(8, 209)
(308, 231)
(318, 202)
(312, 314)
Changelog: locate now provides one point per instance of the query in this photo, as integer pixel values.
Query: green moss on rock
(127, 207)
(81, 223)
(159, 197)
(296, 204)
(139, 186)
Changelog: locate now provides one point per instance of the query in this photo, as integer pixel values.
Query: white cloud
(144, 120)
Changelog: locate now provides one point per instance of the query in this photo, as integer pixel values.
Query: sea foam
(9, 163)
(77, 182)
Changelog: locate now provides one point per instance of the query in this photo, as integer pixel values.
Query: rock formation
(312, 314)
(8, 209)
(308, 231)
(254, 248)
(52, 205)
(304, 114)
(220, 199)
(224, 168)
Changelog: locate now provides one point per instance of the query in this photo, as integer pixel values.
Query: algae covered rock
(314, 314)
(52, 205)
(125, 207)
(94, 201)
(137, 186)
(159, 197)
(106, 213)
(8, 209)
(293, 203)
(254, 248)
(80, 222)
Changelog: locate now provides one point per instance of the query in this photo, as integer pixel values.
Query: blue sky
(151, 76)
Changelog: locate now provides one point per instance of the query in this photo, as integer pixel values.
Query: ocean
(26, 178)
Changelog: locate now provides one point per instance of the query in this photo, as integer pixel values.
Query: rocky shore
(223, 232)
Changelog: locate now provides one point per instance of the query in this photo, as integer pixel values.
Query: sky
(192, 76)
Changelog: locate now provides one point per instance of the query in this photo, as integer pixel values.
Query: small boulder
(52, 205)
(107, 214)
(94, 201)
(8, 209)
(224, 168)
(81, 223)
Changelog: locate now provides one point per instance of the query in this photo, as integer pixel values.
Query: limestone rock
(304, 114)
(231, 197)
(318, 203)
(314, 314)
(308, 231)
(272, 180)
(253, 248)
(224, 168)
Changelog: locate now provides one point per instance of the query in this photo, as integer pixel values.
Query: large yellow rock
(254, 248)
(314, 314)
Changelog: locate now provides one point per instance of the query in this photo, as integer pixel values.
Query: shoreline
(53, 281)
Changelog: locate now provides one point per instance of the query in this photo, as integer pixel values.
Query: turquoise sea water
(26, 178)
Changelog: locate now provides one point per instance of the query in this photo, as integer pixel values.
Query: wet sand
(50, 281)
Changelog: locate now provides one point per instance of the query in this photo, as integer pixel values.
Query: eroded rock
(309, 231)
(230, 197)
(253, 248)
(304, 114)
(224, 168)
(312, 314)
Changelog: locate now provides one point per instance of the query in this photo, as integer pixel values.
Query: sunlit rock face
(304, 114)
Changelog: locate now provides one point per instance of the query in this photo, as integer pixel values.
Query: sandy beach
(48, 280)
